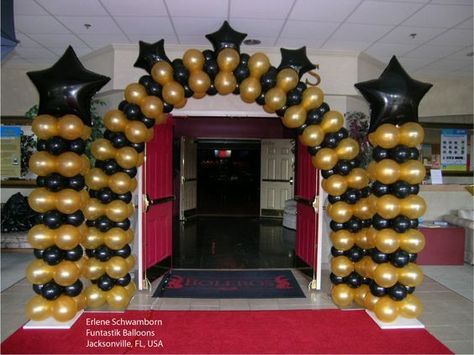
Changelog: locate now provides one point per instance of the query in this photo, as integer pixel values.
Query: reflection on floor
(233, 243)
(14, 265)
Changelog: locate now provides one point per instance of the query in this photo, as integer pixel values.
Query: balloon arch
(374, 236)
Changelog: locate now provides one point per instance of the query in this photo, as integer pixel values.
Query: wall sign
(454, 149)
(10, 137)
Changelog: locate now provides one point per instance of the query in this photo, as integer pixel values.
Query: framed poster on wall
(454, 149)
(10, 137)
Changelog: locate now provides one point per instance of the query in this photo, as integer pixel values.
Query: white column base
(399, 323)
(51, 323)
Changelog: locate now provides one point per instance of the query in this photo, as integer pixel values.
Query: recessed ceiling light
(252, 42)
(470, 54)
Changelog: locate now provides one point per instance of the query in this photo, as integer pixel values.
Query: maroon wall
(230, 127)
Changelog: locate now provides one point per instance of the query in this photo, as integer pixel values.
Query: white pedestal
(399, 323)
(51, 323)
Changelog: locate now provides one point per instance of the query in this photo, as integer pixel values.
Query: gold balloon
(324, 159)
(93, 269)
(386, 309)
(68, 237)
(360, 293)
(335, 185)
(250, 89)
(388, 206)
(413, 206)
(93, 238)
(120, 183)
(228, 59)
(131, 289)
(152, 107)
(267, 109)
(41, 237)
(312, 136)
(136, 131)
(95, 296)
(340, 212)
(342, 239)
(102, 149)
(116, 238)
(199, 82)
(135, 93)
(410, 275)
(411, 134)
(370, 301)
(362, 240)
(66, 273)
(81, 301)
(117, 211)
(387, 171)
(312, 98)
(162, 119)
(69, 164)
(332, 121)
(68, 201)
(117, 297)
(287, 79)
(387, 240)
(86, 133)
(386, 275)
(45, 126)
(225, 82)
(412, 241)
(342, 295)
(193, 60)
(199, 96)
(38, 308)
(116, 267)
(371, 169)
(126, 157)
(115, 120)
(258, 64)
(347, 149)
(412, 171)
(275, 98)
(359, 267)
(173, 92)
(341, 266)
(294, 117)
(70, 127)
(182, 103)
(362, 210)
(85, 165)
(93, 209)
(131, 261)
(96, 179)
(42, 200)
(386, 136)
(410, 307)
(64, 308)
(38, 272)
(370, 267)
(162, 72)
(42, 163)
(357, 178)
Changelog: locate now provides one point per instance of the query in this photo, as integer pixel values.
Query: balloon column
(392, 242)
(62, 127)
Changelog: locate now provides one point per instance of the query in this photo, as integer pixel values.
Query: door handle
(291, 180)
(312, 203)
(148, 202)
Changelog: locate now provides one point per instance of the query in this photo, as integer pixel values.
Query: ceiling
(430, 37)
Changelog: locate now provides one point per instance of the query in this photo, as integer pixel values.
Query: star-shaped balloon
(67, 87)
(226, 37)
(393, 97)
(295, 59)
(150, 53)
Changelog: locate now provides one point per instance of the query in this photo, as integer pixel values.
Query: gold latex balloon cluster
(119, 183)
(388, 171)
(65, 201)
(199, 82)
(64, 274)
(65, 237)
(172, 91)
(116, 267)
(117, 298)
(225, 81)
(67, 164)
(275, 98)
(115, 238)
(388, 136)
(389, 206)
(62, 309)
(116, 210)
(135, 131)
(250, 87)
(126, 157)
(69, 127)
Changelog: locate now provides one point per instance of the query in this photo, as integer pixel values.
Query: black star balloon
(393, 97)
(67, 87)
(295, 59)
(150, 53)
(226, 37)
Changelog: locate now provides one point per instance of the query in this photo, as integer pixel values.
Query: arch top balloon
(226, 37)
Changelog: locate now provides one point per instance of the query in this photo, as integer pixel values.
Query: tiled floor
(448, 315)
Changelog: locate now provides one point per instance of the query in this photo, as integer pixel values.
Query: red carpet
(323, 331)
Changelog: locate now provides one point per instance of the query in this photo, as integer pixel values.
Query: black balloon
(335, 226)
(53, 255)
(331, 140)
(414, 223)
(55, 182)
(55, 145)
(296, 59)
(75, 219)
(77, 146)
(354, 280)
(73, 254)
(103, 224)
(314, 117)
(226, 37)
(37, 288)
(313, 151)
(400, 224)
(336, 252)
(281, 111)
(327, 173)
(397, 292)
(187, 91)
(400, 189)
(355, 254)
(393, 97)
(133, 112)
(268, 80)
(90, 253)
(380, 223)
(351, 196)
(41, 181)
(379, 189)
(124, 252)
(260, 100)
(150, 53)
(76, 182)
(148, 122)
(377, 290)
(414, 153)
(38, 253)
(75, 289)
(105, 195)
(241, 72)
(53, 219)
(208, 54)
(144, 80)
(119, 140)
(180, 73)
(365, 192)
(212, 90)
(105, 282)
(400, 154)
(41, 145)
(67, 87)
(343, 167)
(366, 223)
(103, 253)
(342, 133)
(410, 289)
(400, 258)
(110, 166)
(154, 89)
(299, 130)
(125, 224)
(412, 257)
(336, 280)
(122, 105)
(126, 197)
(379, 153)
(132, 172)
(123, 281)
(139, 147)
(378, 256)
(293, 97)
(353, 225)
(167, 108)
(211, 68)
(333, 199)
(414, 189)
(51, 291)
